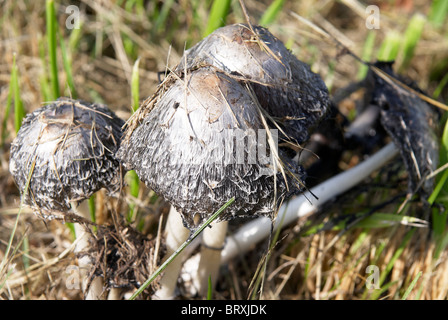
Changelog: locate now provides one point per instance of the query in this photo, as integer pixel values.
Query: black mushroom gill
(67, 148)
(183, 141)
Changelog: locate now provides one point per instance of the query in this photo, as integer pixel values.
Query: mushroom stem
(213, 240)
(114, 294)
(176, 235)
(85, 263)
(258, 229)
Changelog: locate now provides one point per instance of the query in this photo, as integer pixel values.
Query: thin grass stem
(218, 15)
(180, 249)
(52, 48)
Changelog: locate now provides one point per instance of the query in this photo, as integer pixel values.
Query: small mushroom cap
(186, 149)
(68, 147)
(285, 86)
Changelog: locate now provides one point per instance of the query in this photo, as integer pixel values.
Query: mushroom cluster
(285, 87)
(197, 148)
(232, 83)
(198, 140)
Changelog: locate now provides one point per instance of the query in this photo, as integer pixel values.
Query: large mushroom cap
(285, 86)
(68, 147)
(188, 150)
(239, 78)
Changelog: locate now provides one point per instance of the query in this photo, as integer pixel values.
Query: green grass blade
(258, 280)
(396, 255)
(180, 249)
(411, 286)
(66, 60)
(7, 110)
(441, 242)
(135, 86)
(443, 154)
(210, 289)
(19, 111)
(272, 12)
(390, 47)
(440, 87)
(52, 47)
(134, 181)
(367, 51)
(411, 38)
(218, 16)
(383, 220)
(92, 210)
(5, 279)
(75, 37)
(26, 251)
(16, 223)
(45, 90)
(439, 194)
(134, 189)
(378, 292)
(162, 15)
(440, 189)
(438, 13)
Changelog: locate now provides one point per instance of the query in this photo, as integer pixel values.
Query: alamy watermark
(73, 20)
(372, 17)
(373, 280)
(76, 277)
(229, 147)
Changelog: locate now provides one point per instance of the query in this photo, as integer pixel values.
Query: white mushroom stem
(253, 232)
(114, 294)
(85, 263)
(175, 234)
(213, 239)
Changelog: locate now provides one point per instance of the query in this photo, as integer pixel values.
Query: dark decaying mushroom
(412, 125)
(66, 151)
(68, 148)
(239, 86)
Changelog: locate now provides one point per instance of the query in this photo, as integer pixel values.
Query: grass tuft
(52, 48)
(218, 16)
(19, 111)
(411, 38)
(133, 178)
(272, 12)
(390, 47)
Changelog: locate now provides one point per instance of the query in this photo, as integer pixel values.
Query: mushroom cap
(195, 147)
(412, 125)
(69, 148)
(285, 86)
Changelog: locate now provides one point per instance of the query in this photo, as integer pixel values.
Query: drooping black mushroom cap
(412, 125)
(185, 149)
(285, 86)
(68, 149)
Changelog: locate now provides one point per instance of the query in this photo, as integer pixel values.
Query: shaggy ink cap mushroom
(69, 148)
(185, 149)
(233, 79)
(285, 86)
